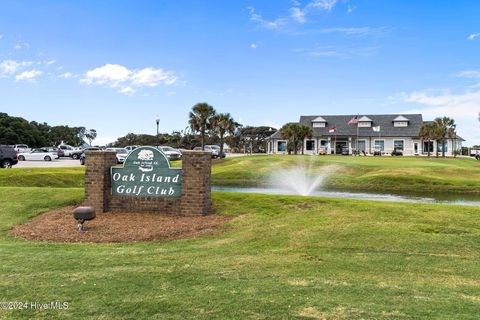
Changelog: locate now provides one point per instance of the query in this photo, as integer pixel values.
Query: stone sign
(146, 172)
(146, 183)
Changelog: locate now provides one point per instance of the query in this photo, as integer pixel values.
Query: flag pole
(335, 145)
(356, 141)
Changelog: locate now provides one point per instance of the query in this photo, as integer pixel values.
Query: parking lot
(68, 162)
(57, 163)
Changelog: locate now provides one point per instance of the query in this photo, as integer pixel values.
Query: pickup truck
(69, 151)
(21, 148)
(8, 157)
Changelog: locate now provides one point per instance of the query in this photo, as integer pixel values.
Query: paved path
(58, 163)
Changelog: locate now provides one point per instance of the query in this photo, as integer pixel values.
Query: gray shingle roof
(385, 122)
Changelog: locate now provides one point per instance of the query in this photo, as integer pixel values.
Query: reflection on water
(458, 199)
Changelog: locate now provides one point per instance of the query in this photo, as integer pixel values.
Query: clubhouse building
(335, 134)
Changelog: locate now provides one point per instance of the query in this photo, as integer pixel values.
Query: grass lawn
(375, 174)
(281, 257)
(385, 174)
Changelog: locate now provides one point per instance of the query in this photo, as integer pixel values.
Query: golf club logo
(146, 160)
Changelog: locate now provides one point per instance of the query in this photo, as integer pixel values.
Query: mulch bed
(60, 226)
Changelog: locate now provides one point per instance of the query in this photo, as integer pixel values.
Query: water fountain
(300, 179)
(306, 179)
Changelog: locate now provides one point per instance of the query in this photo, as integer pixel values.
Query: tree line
(17, 130)
(206, 126)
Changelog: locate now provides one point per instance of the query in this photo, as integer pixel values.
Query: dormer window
(400, 121)
(365, 122)
(319, 122)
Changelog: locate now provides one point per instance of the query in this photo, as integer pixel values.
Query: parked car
(397, 152)
(38, 154)
(131, 148)
(213, 149)
(377, 152)
(83, 156)
(8, 157)
(76, 154)
(21, 148)
(170, 153)
(121, 154)
(56, 150)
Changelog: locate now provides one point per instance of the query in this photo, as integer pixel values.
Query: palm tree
(200, 118)
(429, 132)
(290, 132)
(223, 123)
(444, 125)
(452, 134)
(303, 133)
(295, 134)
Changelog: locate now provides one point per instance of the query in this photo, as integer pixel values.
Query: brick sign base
(196, 189)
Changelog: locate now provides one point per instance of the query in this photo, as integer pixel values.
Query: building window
(398, 145)
(310, 145)
(319, 124)
(440, 147)
(380, 145)
(281, 146)
(400, 124)
(364, 124)
(361, 145)
(323, 143)
(427, 146)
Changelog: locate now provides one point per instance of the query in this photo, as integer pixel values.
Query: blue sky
(114, 65)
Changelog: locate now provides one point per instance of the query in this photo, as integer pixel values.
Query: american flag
(354, 120)
(332, 129)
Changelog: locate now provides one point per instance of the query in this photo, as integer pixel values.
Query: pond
(455, 199)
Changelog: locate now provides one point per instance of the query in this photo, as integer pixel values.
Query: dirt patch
(59, 226)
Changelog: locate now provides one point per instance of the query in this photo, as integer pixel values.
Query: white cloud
(326, 5)
(297, 14)
(338, 51)
(110, 74)
(274, 24)
(351, 30)
(68, 75)
(1, 36)
(469, 74)
(21, 45)
(28, 75)
(253, 45)
(127, 81)
(11, 66)
(127, 90)
(473, 36)
(152, 77)
(463, 107)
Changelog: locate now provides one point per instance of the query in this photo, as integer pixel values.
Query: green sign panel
(146, 173)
